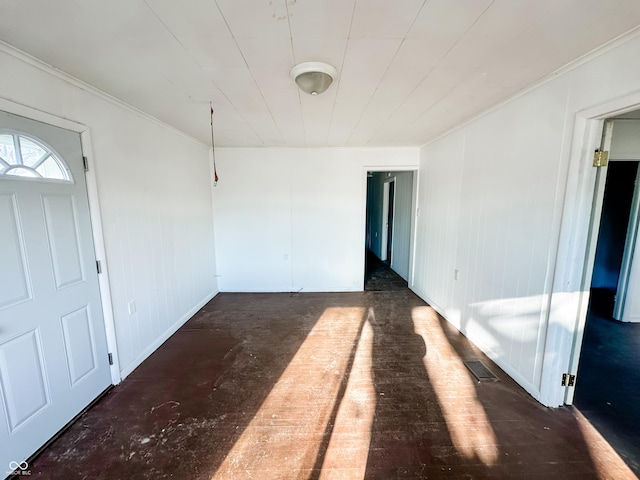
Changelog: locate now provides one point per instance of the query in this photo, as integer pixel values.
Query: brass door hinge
(600, 158)
(568, 380)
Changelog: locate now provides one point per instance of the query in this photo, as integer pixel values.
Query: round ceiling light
(313, 77)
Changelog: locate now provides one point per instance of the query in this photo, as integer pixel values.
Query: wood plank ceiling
(408, 69)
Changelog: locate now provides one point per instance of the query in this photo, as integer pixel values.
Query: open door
(627, 307)
(606, 375)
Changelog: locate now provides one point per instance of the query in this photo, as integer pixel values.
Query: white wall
(155, 199)
(294, 219)
(491, 203)
(625, 141)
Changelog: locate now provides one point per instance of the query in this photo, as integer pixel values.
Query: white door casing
(53, 349)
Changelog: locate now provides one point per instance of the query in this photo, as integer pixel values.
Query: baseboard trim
(165, 336)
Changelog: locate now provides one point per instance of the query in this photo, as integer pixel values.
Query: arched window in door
(27, 157)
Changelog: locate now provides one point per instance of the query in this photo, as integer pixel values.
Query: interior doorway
(389, 229)
(608, 373)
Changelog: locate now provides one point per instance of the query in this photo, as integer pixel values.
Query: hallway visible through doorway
(380, 277)
(390, 207)
(608, 378)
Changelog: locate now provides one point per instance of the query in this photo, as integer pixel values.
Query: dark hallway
(379, 276)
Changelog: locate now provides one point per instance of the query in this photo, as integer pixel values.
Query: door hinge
(568, 380)
(99, 266)
(600, 158)
(85, 162)
(111, 359)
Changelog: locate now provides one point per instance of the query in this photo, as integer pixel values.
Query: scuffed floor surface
(352, 386)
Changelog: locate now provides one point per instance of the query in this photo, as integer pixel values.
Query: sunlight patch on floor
(470, 429)
(285, 435)
(602, 453)
(349, 445)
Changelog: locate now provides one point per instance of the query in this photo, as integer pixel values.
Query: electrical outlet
(131, 306)
(285, 256)
(456, 273)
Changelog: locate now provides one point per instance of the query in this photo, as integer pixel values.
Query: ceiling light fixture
(313, 77)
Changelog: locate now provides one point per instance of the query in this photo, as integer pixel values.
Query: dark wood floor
(367, 385)
(380, 277)
(608, 387)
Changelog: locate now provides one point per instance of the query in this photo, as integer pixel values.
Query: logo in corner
(19, 468)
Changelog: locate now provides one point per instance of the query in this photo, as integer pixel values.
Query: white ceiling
(408, 70)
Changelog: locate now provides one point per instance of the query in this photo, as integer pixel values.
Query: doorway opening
(609, 366)
(389, 229)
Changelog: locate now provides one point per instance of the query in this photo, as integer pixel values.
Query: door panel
(20, 359)
(53, 351)
(14, 284)
(79, 342)
(60, 216)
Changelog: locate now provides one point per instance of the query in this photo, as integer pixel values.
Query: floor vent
(480, 371)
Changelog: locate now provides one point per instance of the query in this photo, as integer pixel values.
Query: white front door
(53, 349)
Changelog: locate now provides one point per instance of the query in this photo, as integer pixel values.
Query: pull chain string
(213, 149)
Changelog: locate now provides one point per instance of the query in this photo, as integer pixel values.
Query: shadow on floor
(410, 435)
(180, 412)
(359, 385)
(608, 379)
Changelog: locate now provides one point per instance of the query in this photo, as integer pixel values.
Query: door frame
(384, 241)
(414, 214)
(94, 212)
(575, 250)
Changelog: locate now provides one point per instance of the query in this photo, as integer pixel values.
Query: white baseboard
(135, 363)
